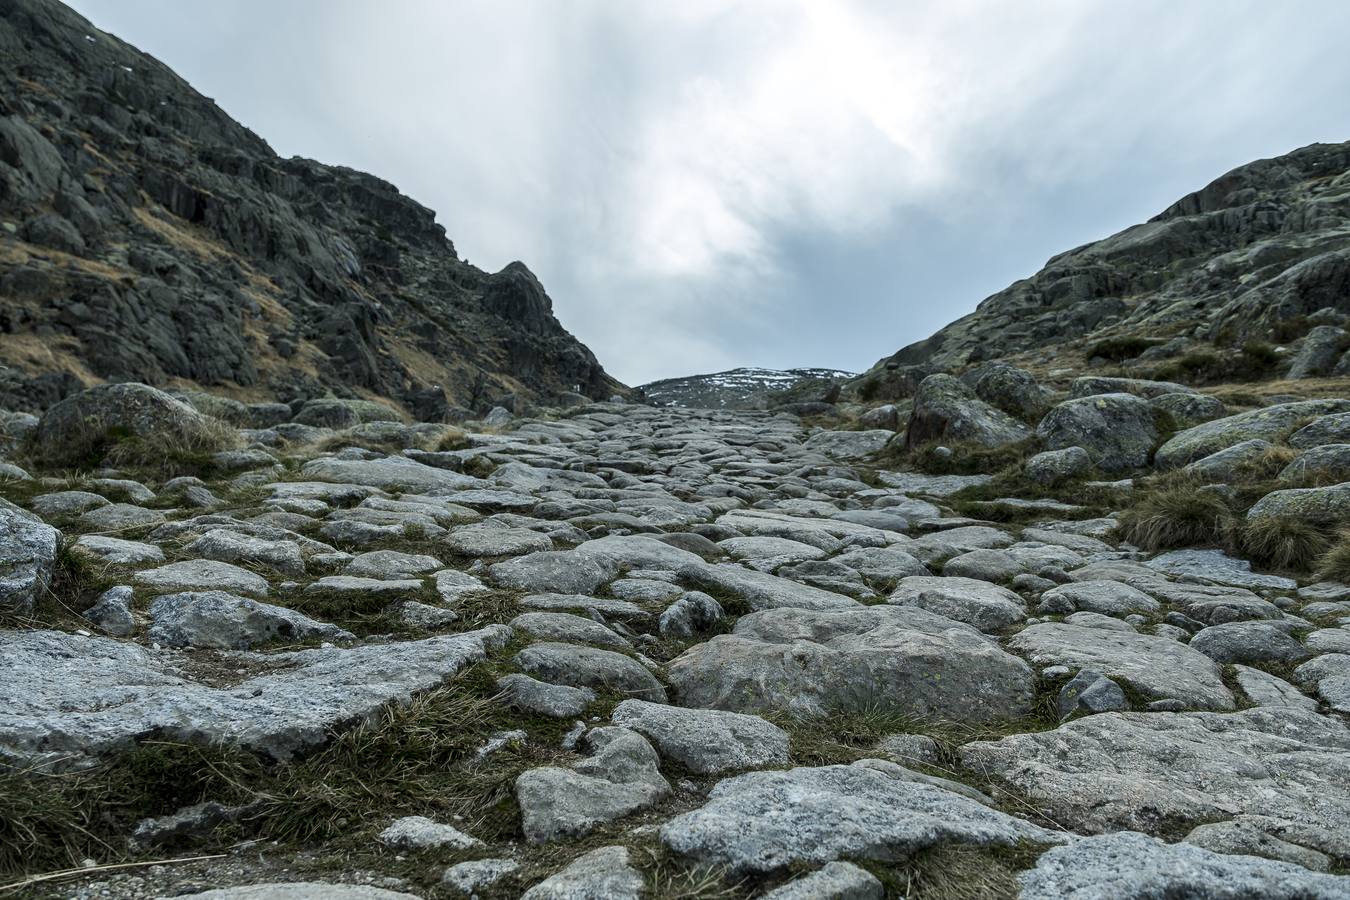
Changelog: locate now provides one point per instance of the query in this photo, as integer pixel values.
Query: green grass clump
(965, 458)
(1282, 542)
(168, 454)
(1334, 564)
(1177, 514)
(1119, 349)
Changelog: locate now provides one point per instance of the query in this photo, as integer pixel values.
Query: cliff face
(1266, 242)
(150, 237)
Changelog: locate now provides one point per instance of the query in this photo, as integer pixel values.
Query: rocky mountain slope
(1265, 244)
(150, 237)
(744, 388)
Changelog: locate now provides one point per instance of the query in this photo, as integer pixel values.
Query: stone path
(706, 642)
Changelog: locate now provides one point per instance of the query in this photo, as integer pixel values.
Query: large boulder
(947, 410)
(1133, 866)
(333, 412)
(1317, 505)
(1280, 767)
(1321, 348)
(1117, 430)
(1093, 385)
(813, 662)
(1013, 390)
(766, 821)
(28, 548)
(76, 428)
(1268, 424)
(73, 699)
(1157, 667)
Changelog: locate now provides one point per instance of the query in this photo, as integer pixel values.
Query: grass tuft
(1334, 564)
(1180, 513)
(1282, 542)
(169, 455)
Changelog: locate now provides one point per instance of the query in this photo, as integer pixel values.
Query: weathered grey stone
(1156, 667)
(760, 590)
(1265, 689)
(766, 821)
(1318, 353)
(945, 409)
(622, 777)
(1243, 838)
(1268, 423)
(849, 445)
(897, 658)
(1009, 388)
(1090, 692)
(694, 612)
(468, 877)
(1110, 598)
(202, 575)
(1095, 385)
(1160, 771)
(112, 613)
(1117, 430)
(601, 874)
(222, 621)
(302, 890)
(74, 698)
(494, 539)
(28, 548)
(590, 668)
(392, 473)
(833, 881)
(70, 431)
(565, 627)
(63, 504)
(1133, 866)
(987, 606)
(421, 833)
(1223, 466)
(557, 701)
(1317, 505)
(349, 584)
(392, 565)
(1249, 643)
(1055, 466)
(706, 741)
(1188, 409)
(552, 571)
(116, 551)
(231, 547)
(1329, 462)
(1328, 429)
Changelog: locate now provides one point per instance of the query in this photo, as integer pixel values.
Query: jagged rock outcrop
(1266, 243)
(150, 237)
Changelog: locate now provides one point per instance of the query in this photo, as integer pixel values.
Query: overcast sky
(702, 185)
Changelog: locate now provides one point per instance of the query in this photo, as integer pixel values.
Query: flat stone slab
(760, 590)
(986, 606)
(766, 821)
(117, 551)
(814, 662)
(1133, 866)
(69, 699)
(202, 575)
(932, 485)
(393, 473)
(1158, 667)
(1159, 771)
(706, 741)
(1218, 567)
(222, 621)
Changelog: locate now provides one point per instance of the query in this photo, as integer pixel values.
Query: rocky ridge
(149, 237)
(1256, 254)
(743, 388)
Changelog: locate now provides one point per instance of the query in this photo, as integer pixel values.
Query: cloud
(768, 182)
